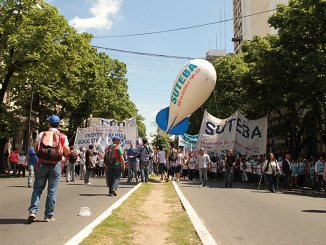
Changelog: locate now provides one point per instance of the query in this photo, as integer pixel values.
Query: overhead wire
(182, 28)
(145, 54)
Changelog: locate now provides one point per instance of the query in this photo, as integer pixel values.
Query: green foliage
(41, 52)
(161, 140)
(281, 75)
(9, 124)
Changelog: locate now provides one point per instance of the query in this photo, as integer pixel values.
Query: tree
(42, 55)
(288, 72)
(161, 140)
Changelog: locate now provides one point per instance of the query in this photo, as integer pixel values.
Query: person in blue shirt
(319, 170)
(301, 172)
(132, 163)
(31, 162)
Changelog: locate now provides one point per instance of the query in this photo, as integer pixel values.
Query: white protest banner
(188, 141)
(248, 137)
(103, 122)
(101, 137)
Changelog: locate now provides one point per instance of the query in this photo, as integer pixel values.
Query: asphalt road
(242, 215)
(15, 200)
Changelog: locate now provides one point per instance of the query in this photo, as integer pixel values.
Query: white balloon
(191, 88)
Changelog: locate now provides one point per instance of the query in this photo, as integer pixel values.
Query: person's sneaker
(110, 194)
(49, 219)
(29, 186)
(114, 193)
(201, 185)
(67, 180)
(89, 183)
(31, 218)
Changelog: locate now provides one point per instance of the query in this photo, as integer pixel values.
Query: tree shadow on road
(314, 211)
(16, 221)
(254, 188)
(92, 195)
(17, 186)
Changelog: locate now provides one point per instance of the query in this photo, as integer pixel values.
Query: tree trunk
(3, 142)
(10, 72)
(5, 83)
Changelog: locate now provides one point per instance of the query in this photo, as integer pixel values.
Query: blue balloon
(162, 121)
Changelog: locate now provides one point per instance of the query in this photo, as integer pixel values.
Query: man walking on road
(89, 164)
(229, 163)
(71, 159)
(13, 160)
(203, 162)
(145, 152)
(286, 169)
(114, 161)
(51, 146)
(319, 171)
(132, 163)
(31, 163)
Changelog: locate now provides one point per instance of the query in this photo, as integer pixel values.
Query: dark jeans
(20, 168)
(114, 174)
(144, 170)
(13, 166)
(88, 174)
(287, 181)
(301, 180)
(272, 181)
(228, 177)
(191, 173)
(319, 182)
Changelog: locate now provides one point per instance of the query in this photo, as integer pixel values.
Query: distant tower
(245, 28)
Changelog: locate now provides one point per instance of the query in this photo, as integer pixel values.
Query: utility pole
(29, 118)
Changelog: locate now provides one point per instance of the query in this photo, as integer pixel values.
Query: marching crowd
(55, 158)
(285, 172)
(175, 164)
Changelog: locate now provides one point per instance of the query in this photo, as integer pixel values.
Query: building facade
(251, 19)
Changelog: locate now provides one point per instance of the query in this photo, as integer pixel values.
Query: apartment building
(251, 19)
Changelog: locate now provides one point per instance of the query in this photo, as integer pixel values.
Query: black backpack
(72, 157)
(173, 155)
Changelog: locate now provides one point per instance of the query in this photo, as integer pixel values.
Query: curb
(79, 237)
(200, 228)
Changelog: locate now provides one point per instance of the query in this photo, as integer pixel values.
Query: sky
(150, 79)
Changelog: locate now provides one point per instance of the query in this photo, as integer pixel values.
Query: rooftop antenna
(221, 29)
(224, 27)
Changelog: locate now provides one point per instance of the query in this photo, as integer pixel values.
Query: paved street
(15, 199)
(243, 215)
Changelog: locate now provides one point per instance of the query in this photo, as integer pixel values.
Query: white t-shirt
(203, 160)
(214, 167)
(21, 160)
(241, 166)
(180, 158)
(101, 163)
(161, 157)
(192, 163)
(272, 166)
(248, 167)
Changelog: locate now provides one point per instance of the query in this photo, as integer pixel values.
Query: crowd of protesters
(175, 164)
(171, 164)
(283, 172)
